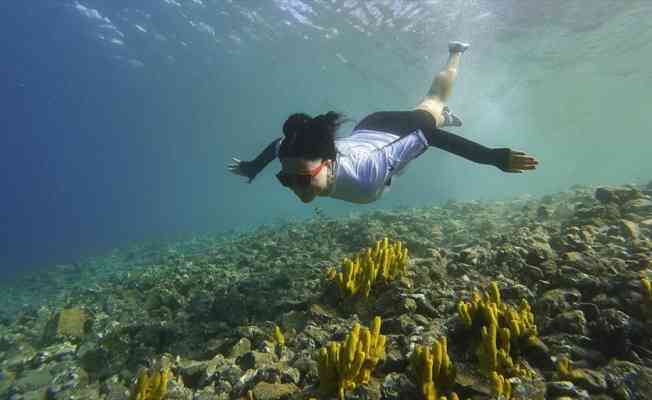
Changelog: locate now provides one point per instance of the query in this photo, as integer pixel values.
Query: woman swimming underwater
(358, 168)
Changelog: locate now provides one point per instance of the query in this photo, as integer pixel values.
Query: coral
(278, 336)
(434, 370)
(383, 263)
(343, 365)
(502, 328)
(151, 383)
(501, 386)
(566, 370)
(71, 321)
(647, 297)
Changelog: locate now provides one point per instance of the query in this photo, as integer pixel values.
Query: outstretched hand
(238, 167)
(520, 161)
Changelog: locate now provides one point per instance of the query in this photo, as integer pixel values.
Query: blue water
(119, 117)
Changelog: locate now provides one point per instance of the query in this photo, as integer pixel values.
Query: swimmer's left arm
(519, 161)
(507, 160)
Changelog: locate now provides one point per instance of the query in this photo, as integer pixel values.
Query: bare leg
(442, 85)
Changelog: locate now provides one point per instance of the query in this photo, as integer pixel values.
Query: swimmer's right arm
(250, 169)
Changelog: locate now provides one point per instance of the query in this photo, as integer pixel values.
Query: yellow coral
(151, 384)
(383, 263)
(501, 326)
(501, 386)
(647, 286)
(566, 370)
(487, 351)
(647, 296)
(343, 365)
(433, 369)
(278, 336)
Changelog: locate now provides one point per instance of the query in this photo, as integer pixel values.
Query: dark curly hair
(310, 138)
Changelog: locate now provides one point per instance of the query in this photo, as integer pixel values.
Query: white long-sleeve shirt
(367, 160)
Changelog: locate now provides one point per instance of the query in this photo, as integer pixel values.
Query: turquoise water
(124, 239)
(121, 118)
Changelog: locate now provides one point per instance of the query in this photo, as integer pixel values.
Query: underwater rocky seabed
(210, 304)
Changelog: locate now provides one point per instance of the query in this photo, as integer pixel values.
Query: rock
(572, 322)
(294, 321)
(530, 274)
(613, 329)
(18, 358)
(587, 355)
(474, 255)
(593, 381)
(591, 311)
(87, 392)
(230, 307)
(585, 283)
(618, 195)
(6, 380)
(70, 380)
(201, 302)
(276, 374)
(424, 306)
(255, 334)
(320, 314)
(177, 391)
(401, 325)
(239, 348)
(517, 292)
(572, 257)
(392, 303)
(397, 386)
(224, 390)
(630, 229)
(638, 206)
(549, 268)
(114, 391)
(36, 395)
(557, 300)
(198, 374)
(601, 396)
(369, 391)
(308, 368)
(396, 355)
(32, 380)
(538, 353)
(566, 388)
(628, 379)
(315, 334)
(92, 356)
(5, 342)
(255, 359)
(56, 352)
(207, 393)
(525, 389)
(273, 391)
(229, 373)
(544, 213)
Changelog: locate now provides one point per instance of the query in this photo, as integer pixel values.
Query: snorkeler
(358, 168)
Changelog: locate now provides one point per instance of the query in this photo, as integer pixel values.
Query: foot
(458, 47)
(450, 119)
